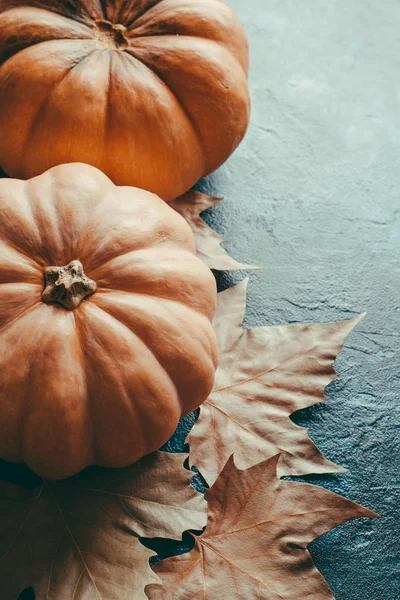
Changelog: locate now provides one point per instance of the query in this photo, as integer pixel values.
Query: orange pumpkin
(105, 334)
(152, 92)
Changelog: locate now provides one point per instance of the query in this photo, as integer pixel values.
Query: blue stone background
(313, 196)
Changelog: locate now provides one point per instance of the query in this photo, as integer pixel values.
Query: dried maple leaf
(78, 539)
(265, 375)
(254, 545)
(208, 241)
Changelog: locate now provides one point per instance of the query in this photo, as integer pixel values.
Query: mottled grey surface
(313, 195)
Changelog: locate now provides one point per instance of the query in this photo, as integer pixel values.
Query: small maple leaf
(265, 375)
(208, 241)
(79, 538)
(254, 545)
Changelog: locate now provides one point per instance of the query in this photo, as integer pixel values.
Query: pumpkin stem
(67, 285)
(110, 36)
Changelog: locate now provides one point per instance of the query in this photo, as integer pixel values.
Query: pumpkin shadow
(27, 594)
(19, 474)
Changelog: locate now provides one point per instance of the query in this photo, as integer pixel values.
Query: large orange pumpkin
(105, 334)
(152, 92)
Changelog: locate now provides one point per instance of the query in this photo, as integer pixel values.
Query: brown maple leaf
(208, 241)
(79, 538)
(254, 545)
(265, 375)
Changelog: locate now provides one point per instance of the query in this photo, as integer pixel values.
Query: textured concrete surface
(313, 196)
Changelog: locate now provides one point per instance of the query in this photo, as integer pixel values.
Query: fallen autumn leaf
(208, 241)
(265, 375)
(79, 538)
(254, 545)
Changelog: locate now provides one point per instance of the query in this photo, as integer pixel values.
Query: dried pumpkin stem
(110, 36)
(67, 285)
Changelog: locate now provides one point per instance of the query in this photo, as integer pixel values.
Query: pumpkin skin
(105, 382)
(152, 92)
